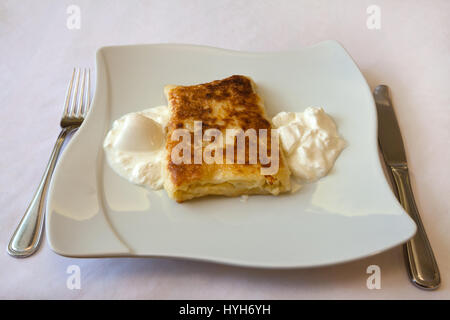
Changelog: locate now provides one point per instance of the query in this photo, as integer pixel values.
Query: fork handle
(25, 240)
(421, 263)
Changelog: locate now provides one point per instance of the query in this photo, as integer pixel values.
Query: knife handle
(422, 267)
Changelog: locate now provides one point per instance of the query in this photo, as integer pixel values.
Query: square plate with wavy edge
(349, 214)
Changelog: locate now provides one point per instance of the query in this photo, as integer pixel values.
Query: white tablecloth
(410, 53)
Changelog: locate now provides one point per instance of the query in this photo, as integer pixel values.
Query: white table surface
(410, 53)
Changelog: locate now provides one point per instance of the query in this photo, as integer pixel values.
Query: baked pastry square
(231, 103)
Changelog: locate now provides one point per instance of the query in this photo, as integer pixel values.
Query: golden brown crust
(239, 103)
(221, 104)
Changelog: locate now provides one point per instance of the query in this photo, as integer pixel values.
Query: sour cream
(134, 146)
(310, 141)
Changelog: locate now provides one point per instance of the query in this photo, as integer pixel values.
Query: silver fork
(25, 240)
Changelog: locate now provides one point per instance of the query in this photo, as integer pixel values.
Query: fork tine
(81, 103)
(73, 105)
(68, 94)
(88, 93)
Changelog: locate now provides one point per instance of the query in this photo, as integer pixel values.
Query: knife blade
(420, 261)
(389, 136)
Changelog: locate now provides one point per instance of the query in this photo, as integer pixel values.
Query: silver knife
(420, 261)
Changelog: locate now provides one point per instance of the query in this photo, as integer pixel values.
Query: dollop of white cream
(139, 134)
(134, 146)
(310, 141)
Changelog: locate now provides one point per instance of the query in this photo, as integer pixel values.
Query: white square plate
(349, 214)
